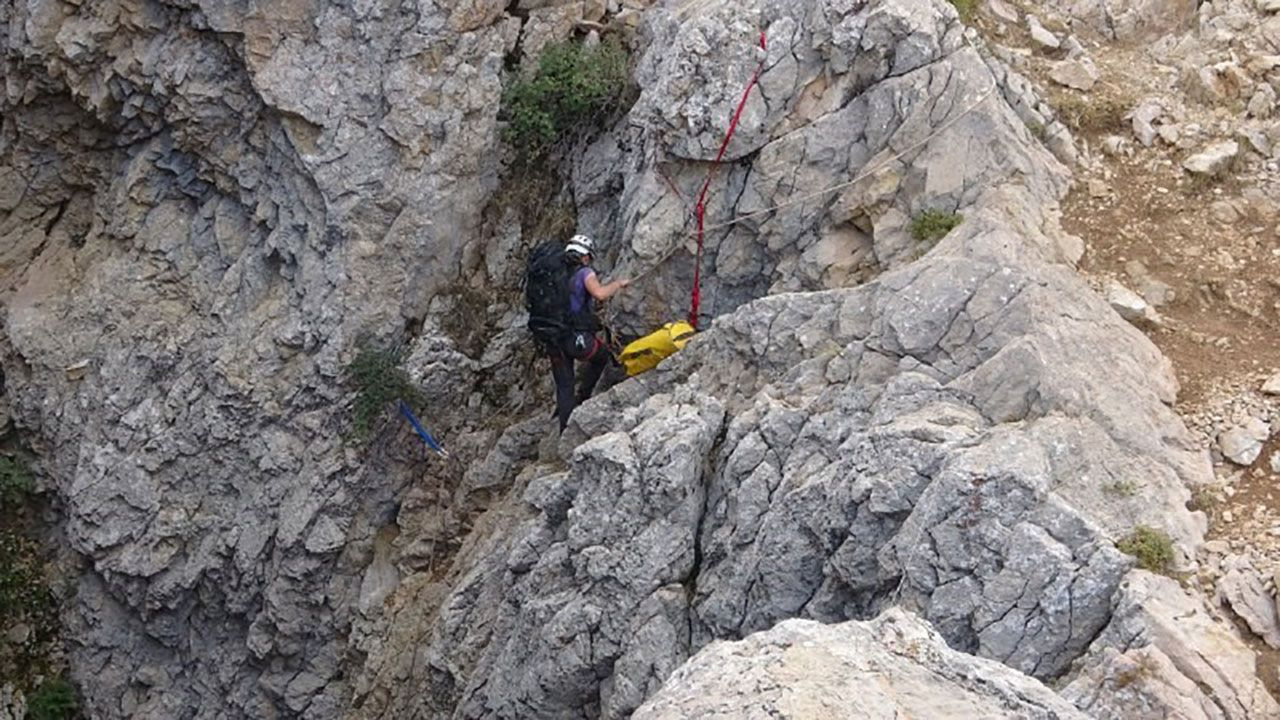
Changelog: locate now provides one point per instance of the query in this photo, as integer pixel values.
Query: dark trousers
(585, 347)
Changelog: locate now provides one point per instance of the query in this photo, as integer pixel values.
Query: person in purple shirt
(581, 343)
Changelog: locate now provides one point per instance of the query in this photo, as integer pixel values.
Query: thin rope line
(839, 186)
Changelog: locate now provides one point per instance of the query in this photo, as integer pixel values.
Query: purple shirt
(579, 299)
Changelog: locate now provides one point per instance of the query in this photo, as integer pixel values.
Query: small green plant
(1123, 488)
(378, 381)
(1152, 548)
(1205, 498)
(965, 8)
(54, 700)
(28, 610)
(931, 225)
(573, 83)
(15, 483)
(1037, 130)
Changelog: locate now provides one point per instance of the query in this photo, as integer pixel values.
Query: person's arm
(603, 292)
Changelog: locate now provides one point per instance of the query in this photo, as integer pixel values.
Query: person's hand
(623, 283)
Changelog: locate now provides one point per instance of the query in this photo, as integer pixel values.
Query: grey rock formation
(940, 438)
(204, 205)
(1272, 385)
(1130, 305)
(1213, 160)
(856, 128)
(1163, 655)
(891, 444)
(1129, 19)
(1243, 590)
(1042, 36)
(1242, 444)
(1144, 117)
(893, 666)
(1077, 74)
(207, 204)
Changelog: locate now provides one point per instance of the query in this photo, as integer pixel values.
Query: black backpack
(546, 293)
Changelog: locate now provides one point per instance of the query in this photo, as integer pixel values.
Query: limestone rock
(1143, 121)
(1130, 305)
(233, 217)
(1242, 444)
(221, 208)
(931, 437)
(1224, 212)
(1213, 160)
(1263, 102)
(1156, 292)
(1078, 74)
(893, 666)
(1042, 36)
(1255, 140)
(1272, 385)
(1242, 589)
(1162, 655)
(1216, 84)
(1003, 11)
(1133, 20)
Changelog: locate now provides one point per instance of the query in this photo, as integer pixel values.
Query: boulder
(1130, 305)
(1163, 655)
(1242, 444)
(1077, 74)
(1213, 160)
(1041, 36)
(889, 667)
(1242, 588)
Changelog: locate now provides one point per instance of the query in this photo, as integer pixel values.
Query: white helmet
(580, 244)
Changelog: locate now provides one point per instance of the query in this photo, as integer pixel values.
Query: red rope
(700, 210)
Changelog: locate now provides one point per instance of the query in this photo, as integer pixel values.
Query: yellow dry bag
(645, 353)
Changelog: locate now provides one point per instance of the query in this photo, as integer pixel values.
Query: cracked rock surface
(203, 204)
(207, 203)
(890, 667)
(940, 439)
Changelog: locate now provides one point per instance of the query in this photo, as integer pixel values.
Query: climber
(561, 291)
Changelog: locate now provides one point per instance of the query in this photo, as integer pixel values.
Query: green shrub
(54, 700)
(573, 83)
(27, 606)
(15, 483)
(1152, 548)
(378, 381)
(1098, 113)
(966, 8)
(931, 225)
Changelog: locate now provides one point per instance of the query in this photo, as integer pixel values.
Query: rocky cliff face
(801, 668)
(204, 203)
(208, 203)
